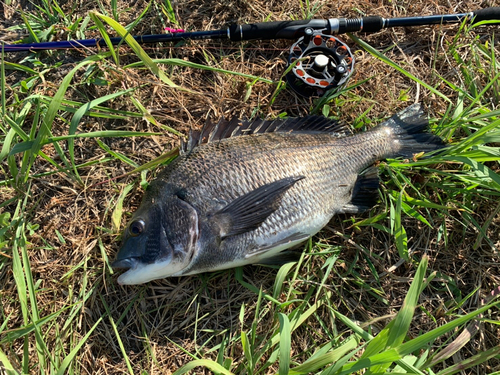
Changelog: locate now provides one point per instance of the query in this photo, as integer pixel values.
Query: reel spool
(320, 63)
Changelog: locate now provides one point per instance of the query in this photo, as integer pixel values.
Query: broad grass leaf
(29, 328)
(280, 278)
(285, 344)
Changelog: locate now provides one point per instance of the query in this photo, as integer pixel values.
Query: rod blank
(275, 30)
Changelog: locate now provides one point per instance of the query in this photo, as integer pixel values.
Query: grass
(409, 288)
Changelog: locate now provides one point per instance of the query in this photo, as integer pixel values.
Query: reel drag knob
(320, 62)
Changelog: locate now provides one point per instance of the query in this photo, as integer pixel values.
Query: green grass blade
(116, 216)
(59, 170)
(485, 176)
(15, 126)
(280, 278)
(105, 36)
(300, 316)
(239, 277)
(400, 236)
(405, 315)
(285, 344)
(2, 83)
(103, 112)
(397, 330)
(471, 362)
(4, 152)
(137, 49)
(391, 63)
(247, 350)
(428, 337)
(148, 117)
(206, 363)
(168, 10)
(28, 26)
(189, 64)
(333, 356)
(27, 329)
(75, 120)
(162, 159)
(476, 138)
(395, 354)
(117, 155)
(22, 68)
(71, 356)
(28, 145)
(6, 365)
(55, 103)
(117, 335)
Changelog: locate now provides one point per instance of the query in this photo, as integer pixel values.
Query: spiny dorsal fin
(213, 132)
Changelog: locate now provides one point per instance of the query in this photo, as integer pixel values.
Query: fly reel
(319, 63)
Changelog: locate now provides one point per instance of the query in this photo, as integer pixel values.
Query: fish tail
(408, 133)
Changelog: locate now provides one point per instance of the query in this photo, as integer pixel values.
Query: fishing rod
(319, 60)
(275, 30)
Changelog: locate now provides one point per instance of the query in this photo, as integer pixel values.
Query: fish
(246, 192)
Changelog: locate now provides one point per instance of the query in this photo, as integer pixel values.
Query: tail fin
(408, 129)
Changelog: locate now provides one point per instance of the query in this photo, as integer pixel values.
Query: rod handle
(372, 24)
(276, 29)
(487, 14)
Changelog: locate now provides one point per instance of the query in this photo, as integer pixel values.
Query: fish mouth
(140, 273)
(127, 263)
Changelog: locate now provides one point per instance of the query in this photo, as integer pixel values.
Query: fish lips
(126, 263)
(130, 254)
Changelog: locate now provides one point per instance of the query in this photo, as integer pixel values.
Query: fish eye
(137, 227)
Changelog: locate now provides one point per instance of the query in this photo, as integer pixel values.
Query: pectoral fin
(249, 211)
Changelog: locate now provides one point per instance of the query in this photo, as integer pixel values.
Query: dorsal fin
(213, 132)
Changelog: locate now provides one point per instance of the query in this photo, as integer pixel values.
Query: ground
(62, 209)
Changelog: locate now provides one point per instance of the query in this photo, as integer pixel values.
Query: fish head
(159, 241)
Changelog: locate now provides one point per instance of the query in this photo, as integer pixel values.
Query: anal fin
(285, 243)
(364, 193)
(286, 256)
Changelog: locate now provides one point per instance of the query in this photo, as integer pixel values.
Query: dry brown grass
(177, 316)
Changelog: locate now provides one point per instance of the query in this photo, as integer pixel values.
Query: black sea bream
(243, 192)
